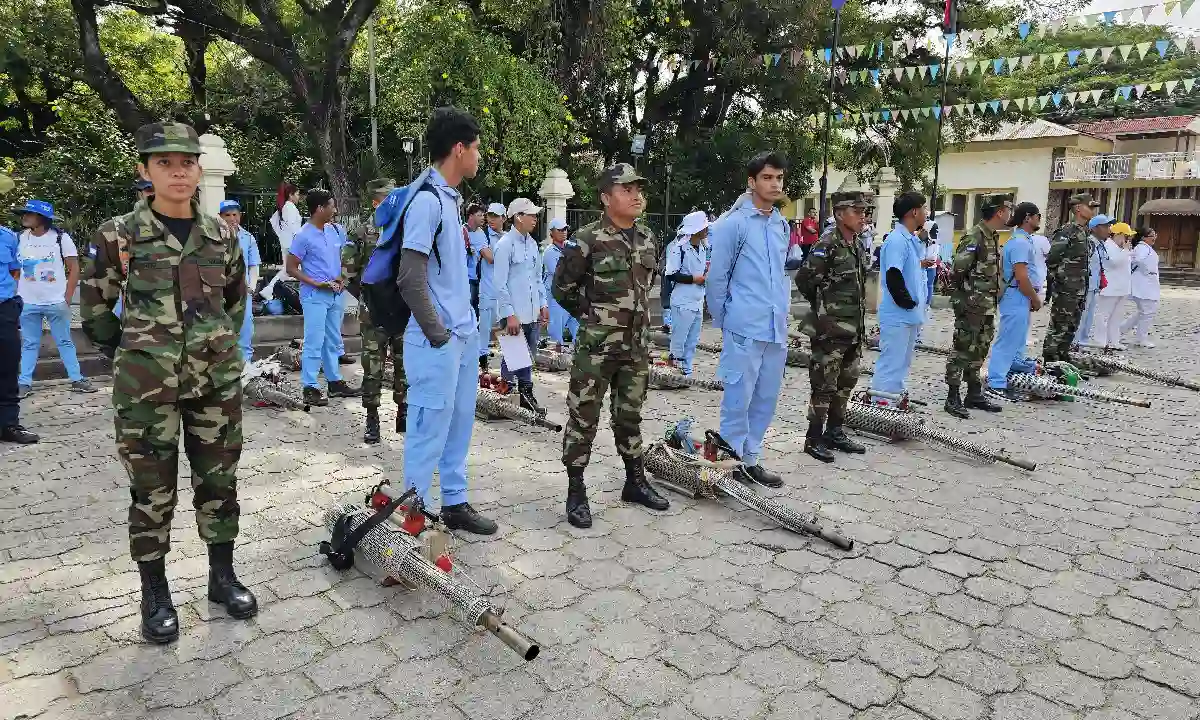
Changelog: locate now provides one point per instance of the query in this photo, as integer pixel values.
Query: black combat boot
(639, 490)
(836, 438)
(483, 363)
(954, 404)
(977, 399)
(814, 442)
(579, 512)
(160, 622)
(371, 436)
(345, 360)
(401, 417)
(341, 388)
(464, 517)
(313, 396)
(223, 586)
(527, 400)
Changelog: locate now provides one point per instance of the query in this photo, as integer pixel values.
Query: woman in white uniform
(286, 222)
(1145, 290)
(1116, 283)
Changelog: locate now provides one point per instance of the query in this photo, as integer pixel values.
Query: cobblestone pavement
(975, 590)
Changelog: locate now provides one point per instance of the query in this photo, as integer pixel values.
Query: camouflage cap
(619, 174)
(990, 202)
(379, 186)
(854, 199)
(1080, 199)
(167, 137)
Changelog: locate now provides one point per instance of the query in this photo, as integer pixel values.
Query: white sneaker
(1147, 344)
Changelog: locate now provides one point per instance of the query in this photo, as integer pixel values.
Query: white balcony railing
(1145, 166)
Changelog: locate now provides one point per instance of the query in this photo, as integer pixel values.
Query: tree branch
(100, 76)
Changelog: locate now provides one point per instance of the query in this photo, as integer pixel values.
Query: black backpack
(389, 312)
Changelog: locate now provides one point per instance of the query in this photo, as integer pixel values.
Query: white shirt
(1145, 273)
(1041, 248)
(286, 224)
(1117, 272)
(43, 273)
(933, 250)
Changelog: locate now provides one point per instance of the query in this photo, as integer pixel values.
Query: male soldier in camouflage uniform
(1067, 279)
(833, 278)
(604, 279)
(375, 342)
(182, 282)
(977, 284)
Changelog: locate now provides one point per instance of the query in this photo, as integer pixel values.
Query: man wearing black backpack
(441, 342)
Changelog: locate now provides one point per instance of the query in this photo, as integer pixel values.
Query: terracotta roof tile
(1134, 126)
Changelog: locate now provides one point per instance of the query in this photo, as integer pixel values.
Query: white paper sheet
(516, 352)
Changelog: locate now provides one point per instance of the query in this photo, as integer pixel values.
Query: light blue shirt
(1095, 247)
(8, 263)
(320, 253)
(904, 251)
(448, 284)
(518, 279)
(550, 260)
(249, 250)
(1018, 249)
(486, 238)
(748, 292)
(473, 258)
(683, 257)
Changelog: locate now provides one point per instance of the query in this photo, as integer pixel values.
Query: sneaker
(313, 396)
(340, 388)
(17, 434)
(345, 360)
(83, 386)
(464, 517)
(24, 391)
(1147, 344)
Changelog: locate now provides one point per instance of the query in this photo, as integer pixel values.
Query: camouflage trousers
(1066, 309)
(375, 346)
(832, 375)
(592, 374)
(148, 445)
(973, 334)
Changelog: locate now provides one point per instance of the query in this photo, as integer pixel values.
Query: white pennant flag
(896, 45)
(975, 35)
(1060, 58)
(908, 72)
(1171, 85)
(1188, 83)
(1071, 97)
(1026, 61)
(922, 70)
(1043, 100)
(910, 43)
(1005, 103)
(991, 34)
(1021, 102)
(1090, 53)
(1128, 15)
(1154, 87)
(959, 66)
(1013, 63)
(1140, 89)
(1181, 44)
(1125, 50)
(897, 73)
(1196, 43)
(1106, 53)
(1142, 49)
(1146, 10)
(1096, 95)
(1055, 24)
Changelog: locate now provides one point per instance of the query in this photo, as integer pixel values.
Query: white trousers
(1106, 329)
(1142, 318)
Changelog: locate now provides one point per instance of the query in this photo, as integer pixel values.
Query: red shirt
(808, 232)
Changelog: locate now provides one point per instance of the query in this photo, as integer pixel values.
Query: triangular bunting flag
(1196, 43)
(1096, 95)
(1021, 102)
(777, 56)
(1181, 44)
(1054, 24)
(950, 38)
(875, 77)
(1005, 103)
(958, 67)
(1124, 91)
(1154, 87)
(1095, 18)
(1058, 58)
(1013, 63)
(1043, 100)
(998, 66)
(766, 60)
(887, 115)
(910, 43)
(933, 71)
(1071, 96)
(1184, 6)
(1106, 53)
(1041, 28)
(1146, 10)
(1171, 85)
(908, 72)
(828, 55)
(1170, 5)
(1142, 48)
(1127, 15)
(1027, 61)
(1073, 56)
(1125, 50)
(937, 112)
(898, 72)
(1057, 98)
(995, 106)
(1023, 30)
(1082, 20)
(980, 106)
(971, 66)
(1187, 84)
(1045, 59)
(1140, 88)
(1090, 54)
(923, 70)
(1161, 46)
(991, 34)
(1109, 17)
(896, 44)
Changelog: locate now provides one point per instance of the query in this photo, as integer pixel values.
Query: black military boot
(223, 586)
(341, 388)
(579, 512)
(401, 417)
(954, 404)
(160, 622)
(464, 517)
(814, 442)
(836, 438)
(483, 363)
(371, 436)
(527, 400)
(979, 400)
(638, 489)
(313, 396)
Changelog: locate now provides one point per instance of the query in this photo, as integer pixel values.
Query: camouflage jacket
(976, 268)
(1067, 262)
(182, 304)
(833, 278)
(604, 279)
(361, 238)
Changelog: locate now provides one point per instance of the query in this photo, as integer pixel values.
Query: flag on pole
(949, 18)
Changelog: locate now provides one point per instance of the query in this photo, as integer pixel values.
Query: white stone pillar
(889, 184)
(556, 190)
(216, 165)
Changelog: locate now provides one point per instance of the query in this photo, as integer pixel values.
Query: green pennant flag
(1170, 5)
(1155, 86)
(1142, 49)
(1184, 6)
(1125, 50)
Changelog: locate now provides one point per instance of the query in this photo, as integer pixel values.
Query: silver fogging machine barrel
(896, 425)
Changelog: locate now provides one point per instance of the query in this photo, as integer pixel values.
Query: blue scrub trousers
(685, 333)
(341, 342)
(931, 280)
(560, 319)
(752, 371)
(1009, 346)
(442, 385)
(322, 333)
(1085, 320)
(532, 333)
(487, 320)
(59, 319)
(246, 340)
(897, 347)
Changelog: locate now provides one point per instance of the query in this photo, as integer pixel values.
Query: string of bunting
(996, 107)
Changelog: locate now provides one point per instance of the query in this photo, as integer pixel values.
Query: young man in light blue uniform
(903, 301)
(441, 342)
(315, 259)
(231, 212)
(1021, 281)
(749, 297)
(520, 294)
(687, 261)
(492, 232)
(560, 319)
(1100, 228)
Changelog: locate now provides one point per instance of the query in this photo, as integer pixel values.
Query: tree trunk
(100, 76)
(326, 128)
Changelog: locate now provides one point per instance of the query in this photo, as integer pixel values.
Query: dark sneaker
(313, 396)
(83, 386)
(340, 388)
(757, 474)
(371, 435)
(23, 391)
(345, 360)
(17, 434)
(464, 517)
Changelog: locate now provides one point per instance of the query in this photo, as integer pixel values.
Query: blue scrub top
(904, 251)
(8, 263)
(320, 253)
(448, 284)
(1018, 249)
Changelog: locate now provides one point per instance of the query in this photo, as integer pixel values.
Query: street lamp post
(667, 204)
(833, 55)
(407, 145)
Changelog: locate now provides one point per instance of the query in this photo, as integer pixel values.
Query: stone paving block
(1159, 594)
(27, 697)
(1063, 685)
(699, 654)
(803, 561)
(967, 610)
(808, 705)
(793, 606)
(48, 656)
(727, 596)
(831, 587)
(1117, 635)
(822, 641)
(935, 631)
(996, 591)
(895, 555)
(267, 698)
(591, 704)
(121, 667)
(897, 598)
(960, 566)
(749, 629)
(557, 627)
(502, 697)
(983, 550)
(1044, 558)
(645, 682)
(924, 541)
(600, 574)
(983, 673)
(900, 656)
(438, 678)
(628, 639)
(776, 668)
(570, 666)
(1024, 706)
(1137, 612)
(725, 697)
(1181, 642)
(294, 614)
(864, 570)
(209, 641)
(182, 686)
(1176, 673)
(1093, 659)
(357, 625)
(280, 653)
(857, 684)
(942, 699)
(1147, 700)
(861, 618)
(358, 704)
(613, 604)
(1039, 622)
(349, 667)
(547, 593)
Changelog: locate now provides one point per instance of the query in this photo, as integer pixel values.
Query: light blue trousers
(341, 342)
(488, 317)
(322, 333)
(752, 371)
(1085, 320)
(246, 340)
(1008, 349)
(897, 347)
(58, 317)
(442, 385)
(685, 333)
(560, 319)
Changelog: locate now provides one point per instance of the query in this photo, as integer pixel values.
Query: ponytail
(286, 190)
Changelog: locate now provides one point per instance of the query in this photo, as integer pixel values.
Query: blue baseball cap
(1099, 220)
(142, 184)
(558, 224)
(229, 205)
(37, 207)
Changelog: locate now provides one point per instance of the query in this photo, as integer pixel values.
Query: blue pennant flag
(1057, 98)
(875, 76)
(880, 54)
(933, 71)
(950, 38)
(937, 112)
(998, 65)
(994, 105)
(1110, 17)
(887, 115)
(1124, 91)
(1162, 46)
(1023, 30)
(828, 55)
(837, 4)
(839, 117)
(1072, 56)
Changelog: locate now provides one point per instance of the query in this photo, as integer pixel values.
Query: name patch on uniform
(818, 253)
(571, 243)
(92, 251)
(970, 247)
